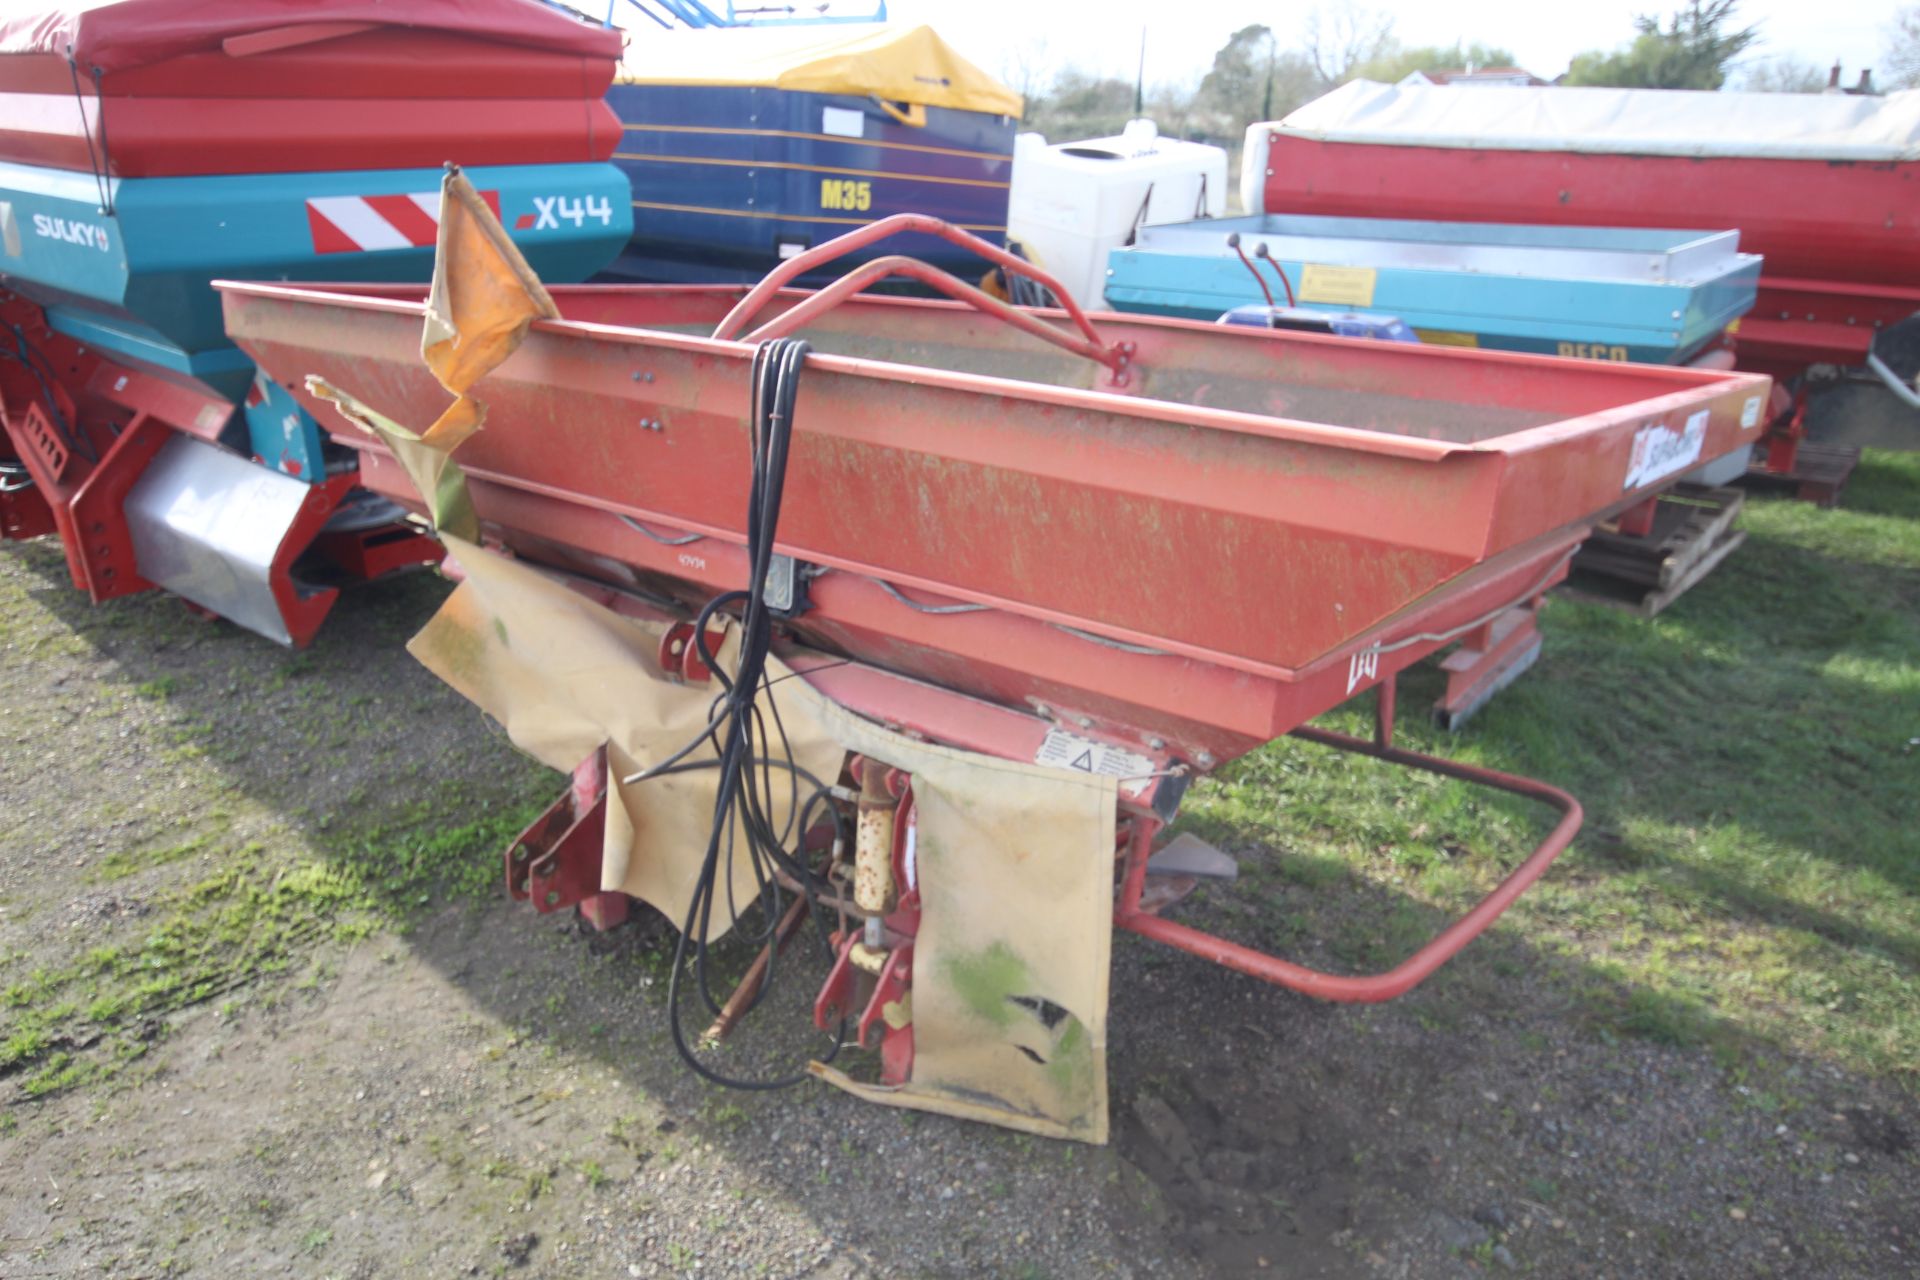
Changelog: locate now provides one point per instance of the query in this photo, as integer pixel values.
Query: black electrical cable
(748, 757)
(106, 156)
(100, 177)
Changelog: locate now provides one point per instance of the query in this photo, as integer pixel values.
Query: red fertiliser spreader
(1115, 543)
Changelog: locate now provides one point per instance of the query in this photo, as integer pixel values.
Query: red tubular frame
(838, 247)
(1114, 357)
(1415, 969)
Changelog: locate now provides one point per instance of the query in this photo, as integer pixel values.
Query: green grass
(1749, 872)
(1748, 878)
(245, 885)
(256, 915)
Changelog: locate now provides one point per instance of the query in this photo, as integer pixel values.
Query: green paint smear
(985, 980)
(1071, 1067)
(988, 981)
(457, 649)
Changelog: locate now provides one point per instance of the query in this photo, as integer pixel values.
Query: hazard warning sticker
(1063, 750)
(370, 224)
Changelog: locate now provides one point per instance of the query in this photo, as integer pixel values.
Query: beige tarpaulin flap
(565, 675)
(433, 472)
(1015, 863)
(1010, 969)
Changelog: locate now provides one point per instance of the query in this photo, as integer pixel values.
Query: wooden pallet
(1692, 532)
(1820, 472)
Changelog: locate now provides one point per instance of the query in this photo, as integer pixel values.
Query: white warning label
(1063, 750)
(1659, 451)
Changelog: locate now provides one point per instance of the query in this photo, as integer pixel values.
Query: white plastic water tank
(1073, 201)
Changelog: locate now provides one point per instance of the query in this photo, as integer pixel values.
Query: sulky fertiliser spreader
(147, 146)
(930, 620)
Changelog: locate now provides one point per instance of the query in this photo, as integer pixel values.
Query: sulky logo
(71, 231)
(1362, 667)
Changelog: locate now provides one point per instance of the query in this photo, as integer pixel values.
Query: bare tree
(1081, 104)
(1902, 63)
(1338, 37)
(1251, 79)
(1783, 75)
(1027, 69)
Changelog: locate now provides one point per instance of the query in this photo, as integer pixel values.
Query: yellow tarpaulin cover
(899, 64)
(1015, 862)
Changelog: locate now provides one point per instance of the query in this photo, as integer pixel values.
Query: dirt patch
(1248, 1175)
(369, 1066)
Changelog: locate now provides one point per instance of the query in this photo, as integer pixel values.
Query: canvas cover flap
(1794, 126)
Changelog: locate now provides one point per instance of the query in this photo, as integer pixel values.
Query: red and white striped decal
(369, 224)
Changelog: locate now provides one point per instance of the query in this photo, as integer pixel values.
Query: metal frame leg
(1421, 964)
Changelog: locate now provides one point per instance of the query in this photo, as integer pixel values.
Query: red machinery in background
(1824, 187)
(150, 145)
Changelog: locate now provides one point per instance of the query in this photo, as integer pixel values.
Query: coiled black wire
(750, 760)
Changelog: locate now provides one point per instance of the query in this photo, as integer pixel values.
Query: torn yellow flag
(442, 485)
(483, 298)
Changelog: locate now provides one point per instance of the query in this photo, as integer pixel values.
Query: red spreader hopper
(1115, 543)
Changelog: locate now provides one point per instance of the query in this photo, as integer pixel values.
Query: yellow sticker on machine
(1345, 286)
(1447, 338)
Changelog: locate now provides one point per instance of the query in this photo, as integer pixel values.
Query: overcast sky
(1182, 35)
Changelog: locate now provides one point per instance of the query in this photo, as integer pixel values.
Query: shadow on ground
(1526, 1107)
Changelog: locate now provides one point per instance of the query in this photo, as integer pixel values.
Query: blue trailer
(1660, 297)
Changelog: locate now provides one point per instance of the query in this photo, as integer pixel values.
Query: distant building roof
(1861, 90)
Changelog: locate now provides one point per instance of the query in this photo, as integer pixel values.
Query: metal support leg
(555, 862)
(1417, 967)
(1489, 659)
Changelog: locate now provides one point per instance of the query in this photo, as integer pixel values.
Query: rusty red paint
(1258, 543)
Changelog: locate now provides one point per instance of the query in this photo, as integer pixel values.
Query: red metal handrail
(1115, 358)
(1415, 969)
(810, 259)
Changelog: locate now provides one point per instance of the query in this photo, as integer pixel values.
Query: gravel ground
(470, 1089)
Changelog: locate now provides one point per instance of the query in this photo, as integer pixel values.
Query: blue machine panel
(135, 280)
(1606, 293)
(728, 180)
